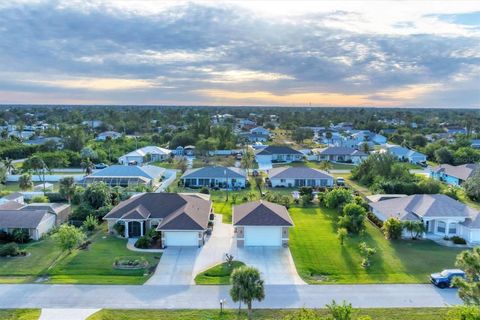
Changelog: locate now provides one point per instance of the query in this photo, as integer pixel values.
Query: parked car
(101, 165)
(444, 279)
(340, 181)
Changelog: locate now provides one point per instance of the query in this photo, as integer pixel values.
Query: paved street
(207, 297)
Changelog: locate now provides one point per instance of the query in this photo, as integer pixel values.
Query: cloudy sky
(358, 53)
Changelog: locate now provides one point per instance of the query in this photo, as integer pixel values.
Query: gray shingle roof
(462, 172)
(298, 173)
(178, 211)
(13, 196)
(423, 205)
(215, 172)
(341, 151)
(149, 172)
(22, 219)
(278, 150)
(261, 213)
(10, 205)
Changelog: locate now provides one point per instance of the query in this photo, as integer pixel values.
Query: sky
(241, 53)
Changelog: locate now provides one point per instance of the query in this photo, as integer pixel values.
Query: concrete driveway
(180, 265)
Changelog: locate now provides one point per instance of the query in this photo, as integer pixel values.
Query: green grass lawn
(320, 258)
(219, 274)
(25, 269)
(265, 314)
(19, 314)
(95, 265)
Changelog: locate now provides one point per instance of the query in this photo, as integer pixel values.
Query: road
(187, 297)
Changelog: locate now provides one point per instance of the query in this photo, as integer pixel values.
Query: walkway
(207, 297)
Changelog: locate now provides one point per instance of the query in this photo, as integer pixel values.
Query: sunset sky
(358, 53)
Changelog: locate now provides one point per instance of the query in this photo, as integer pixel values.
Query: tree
(38, 166)
(392, 228)
(98, 195)
(472, 185)
(67, 188)
(443, 155)
(8, 165)
(300, 134)
(342, 234)
(181, 165)
(88, 153)
(87, 165)
(353, 218)
(247, 286)
(247, 159)
(337, 197)
(366, 252)
(68, 237)
(469, 288)
(259, 183)
(325, 166)
(90, 223)
(25, 181)
(416, 228)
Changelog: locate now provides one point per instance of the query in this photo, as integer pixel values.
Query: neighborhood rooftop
(261, 213)
(297, 173)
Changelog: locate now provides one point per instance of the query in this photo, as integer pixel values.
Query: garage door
(181, 238)
(263, 236)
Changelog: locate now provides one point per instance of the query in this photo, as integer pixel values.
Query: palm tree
(247, 286)
(25, 181)
(67, 188)
(8, 164)
(247, 160)
(87, 165)
(325, 165)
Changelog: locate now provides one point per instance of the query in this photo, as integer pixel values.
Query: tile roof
(215, 172)
(298, 173)
(261, 213)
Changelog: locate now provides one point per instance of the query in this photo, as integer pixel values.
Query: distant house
(453, 130)
(405, 154)
(108, 134)
(341, 154)
(56, 141)
(15, 196)
(299, 177)
(93, 123)
(246, 124)
(260, 131)
(215, 176)
(139, 156)
(261, 223)
(453, 175)
(278, 154)
(475, 143)
(182, 220)
(125, 176)
(441, 215)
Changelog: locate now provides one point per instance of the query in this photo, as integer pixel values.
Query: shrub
(392, 228)
(119, 228)
(458, 240)
(204, 190)
(40, 199)
(353, 218)
(55, 197)
(90, 223)
(374, 219)
(10, 250)
(366, 252)
(143, 242)
(340, 311)
(20, 236)
(336, 197)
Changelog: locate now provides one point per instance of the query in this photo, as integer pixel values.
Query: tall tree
(469, 288)
(67, 188)
(247, 286)
(25, 181)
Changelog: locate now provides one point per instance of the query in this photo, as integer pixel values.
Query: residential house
(215, 176)
(108, 134)
(127, 176)
(94, 124)
(55, 141)
(15, 196)
(475, 143)
(405, 154)
(454, 130)
(278, 154)
(341, 154)
(261, 223)
(145, 154)
(258, 134)
(299, 177)
(181, 219)
(441, 215)
(453, 175)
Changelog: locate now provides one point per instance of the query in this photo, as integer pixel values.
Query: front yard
(320, 258)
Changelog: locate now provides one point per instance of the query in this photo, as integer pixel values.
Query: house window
(311, 182)
(283, 180)
(441, 226)
(452, 228)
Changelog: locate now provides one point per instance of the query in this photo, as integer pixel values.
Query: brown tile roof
(178, 211)
(261, 213)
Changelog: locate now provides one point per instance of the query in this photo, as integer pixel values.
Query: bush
(90, 223)
(353, 218)
(392, 228)
(373, 218)
(204, 190)
(143, 242)
(337, 197)
(40, 199)
(5, 237)
(458, 240)
(10, 250)
(55, 197)
(119, 228)
(20, 236)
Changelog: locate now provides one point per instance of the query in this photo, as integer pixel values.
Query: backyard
(320, 258)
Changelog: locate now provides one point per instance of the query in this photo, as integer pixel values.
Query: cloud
(335, 53)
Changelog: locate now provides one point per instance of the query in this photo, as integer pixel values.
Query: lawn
(320, 258)
(19, 314)
(219, 274)
(95, 265)
(264, 314)
(25, 269)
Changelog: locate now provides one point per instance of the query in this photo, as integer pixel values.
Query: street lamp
(222, 303)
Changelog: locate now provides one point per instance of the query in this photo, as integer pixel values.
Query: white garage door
(181, 238)
(263, 236)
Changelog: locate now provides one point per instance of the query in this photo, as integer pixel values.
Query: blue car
(444, 278)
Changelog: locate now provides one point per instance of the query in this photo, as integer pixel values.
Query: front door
(134, 229)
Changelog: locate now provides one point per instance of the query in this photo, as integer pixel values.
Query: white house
(261, 223)
(299, 177)
(278, 154)
(139, 156)
(441, 215)
(405, 154)
(215, 176)
(108, 134)
(341, 154)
